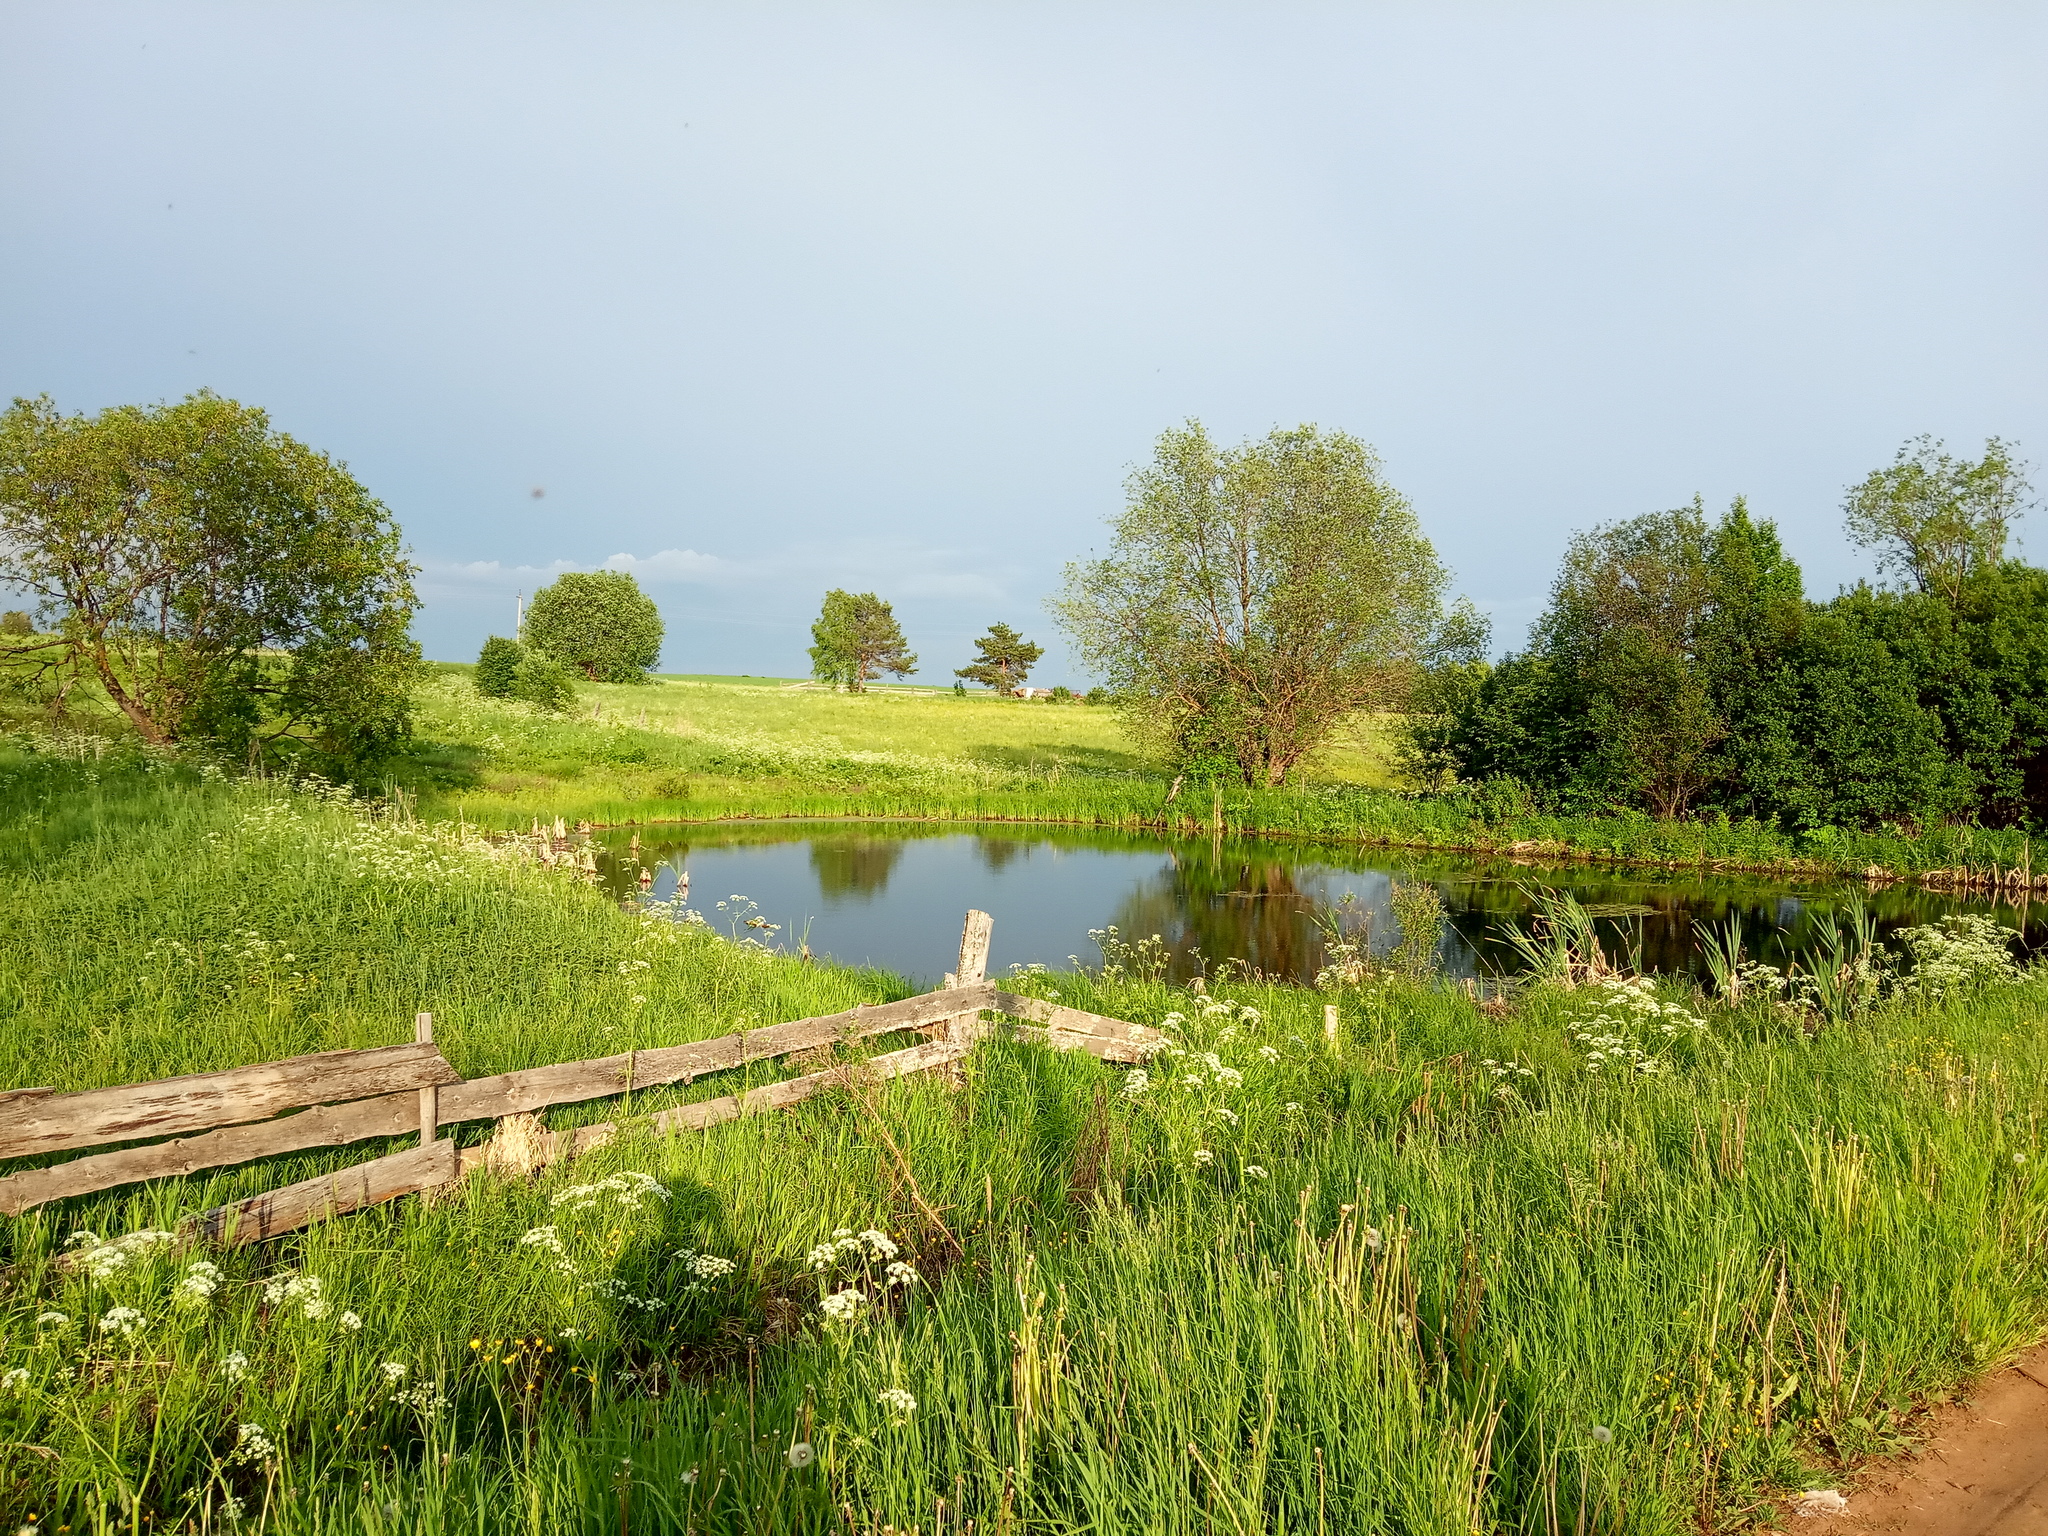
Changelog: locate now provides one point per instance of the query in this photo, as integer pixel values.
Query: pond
(891, 895)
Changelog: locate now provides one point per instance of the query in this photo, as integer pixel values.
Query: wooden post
(972, 968)
(1330, 1025)
(430, 1098)
(974, 937)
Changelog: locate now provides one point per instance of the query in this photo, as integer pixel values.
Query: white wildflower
(1254, 1171)
(878, 1244)
(15, 1380)
(1137, 1082)
(1204, 1157)
(201, 1280)
(57, 1320)
(125, 1321)
(844, 1306)
(394, 1371)
(899, 1273)
(1268, 1053)
(542, 1237)
(899, 1402)
(253, 1445)
(350, 1321)
(235, 1366)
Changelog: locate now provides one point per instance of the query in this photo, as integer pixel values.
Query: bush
(15, 624)
(1096, 695)
(1062, 694)
(544, 682)
(497, 668)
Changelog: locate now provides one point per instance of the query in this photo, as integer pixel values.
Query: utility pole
(518, 614)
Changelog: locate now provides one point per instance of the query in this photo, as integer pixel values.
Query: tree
(598, 622)
(16, 624)
(1937, 520)
(219, 580)
(857, 639)
(1253, 597)
(1003, 659)
(497, 667)
(544, 682)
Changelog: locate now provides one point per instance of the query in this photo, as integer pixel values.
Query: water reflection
(891, 895)
(856, 868)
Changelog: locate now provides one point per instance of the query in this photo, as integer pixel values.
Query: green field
(710, 750)
(1453, 1273)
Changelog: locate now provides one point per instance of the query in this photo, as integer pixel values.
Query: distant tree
(857, 639)
(1003, 659)
(16, 624)
(1937, 520)
(219, 580)
(598, 622)
(1253, 597)
(497, 668)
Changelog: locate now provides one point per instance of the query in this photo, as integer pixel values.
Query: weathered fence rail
(334, 1098)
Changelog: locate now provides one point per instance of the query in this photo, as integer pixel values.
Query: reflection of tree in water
(998, 853)
(855, 866)
(1215, 903)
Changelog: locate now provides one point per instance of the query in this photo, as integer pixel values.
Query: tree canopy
(598, 622)
(1003, 659)
(219, 580)
(857, 639)
(1253, 597)
(1680, 667)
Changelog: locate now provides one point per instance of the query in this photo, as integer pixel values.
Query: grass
(1441, 1277)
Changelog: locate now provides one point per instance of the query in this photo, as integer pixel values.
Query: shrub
(544, 682)
(497, 668)
(16, 624)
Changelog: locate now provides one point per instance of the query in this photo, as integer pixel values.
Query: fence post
(1330, 1025)
(430, 1098)
(972, 968)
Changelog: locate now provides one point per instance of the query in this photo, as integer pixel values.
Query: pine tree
(1005, 658)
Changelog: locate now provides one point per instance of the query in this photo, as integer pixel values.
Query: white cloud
(667, 565)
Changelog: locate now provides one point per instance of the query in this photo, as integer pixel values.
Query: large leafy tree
(856, 639)
(1002, 660)
(219, 580)
(598, 622)
(1253, 597)
(1935, 520)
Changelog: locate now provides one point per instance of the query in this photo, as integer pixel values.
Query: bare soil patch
(1982, 1472)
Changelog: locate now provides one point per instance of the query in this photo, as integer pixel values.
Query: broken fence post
(430, 1097)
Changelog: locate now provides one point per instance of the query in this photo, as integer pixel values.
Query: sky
(754, 301)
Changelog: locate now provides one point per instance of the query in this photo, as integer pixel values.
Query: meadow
(1602, 1255)
(707, 750)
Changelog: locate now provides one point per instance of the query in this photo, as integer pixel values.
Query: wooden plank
(332, 1194)
(67, 1122)
(323, 1126)
(522, 1146)
(1140, 1038)
(916, 1058)
(1128, 1052)
(511, 1093)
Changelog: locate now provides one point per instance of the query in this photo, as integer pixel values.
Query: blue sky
(771, 298)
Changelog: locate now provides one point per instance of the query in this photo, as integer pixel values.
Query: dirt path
(1984, 1471)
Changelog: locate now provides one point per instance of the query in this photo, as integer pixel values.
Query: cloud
(667, 565)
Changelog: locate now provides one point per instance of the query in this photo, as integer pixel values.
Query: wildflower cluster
(1194, 1088)
(864, 1266)
(702, 1269)
(629, 1189)
(1631, 1031)
(1959, 953)
(103, 1261)
(296, 1290)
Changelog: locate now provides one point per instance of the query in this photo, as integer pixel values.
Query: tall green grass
(1444, 1276)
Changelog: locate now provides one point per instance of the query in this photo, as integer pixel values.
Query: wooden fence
(334, 1098)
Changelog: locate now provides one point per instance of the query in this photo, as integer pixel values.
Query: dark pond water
(890, 895)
